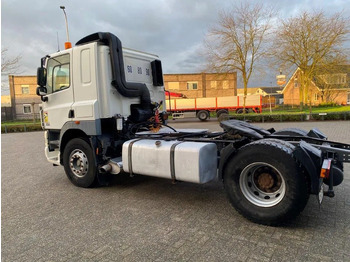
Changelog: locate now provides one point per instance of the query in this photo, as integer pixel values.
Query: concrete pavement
(46, 218)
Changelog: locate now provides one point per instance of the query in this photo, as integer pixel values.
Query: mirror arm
(44, 98)
(42, 92)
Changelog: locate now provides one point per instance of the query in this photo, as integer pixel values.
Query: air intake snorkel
(127, 89)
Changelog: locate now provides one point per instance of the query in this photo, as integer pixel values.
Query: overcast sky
(172, 29)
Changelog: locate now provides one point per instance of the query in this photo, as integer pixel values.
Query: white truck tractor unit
(104, 114)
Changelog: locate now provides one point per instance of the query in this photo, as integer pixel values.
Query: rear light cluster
(326, 167)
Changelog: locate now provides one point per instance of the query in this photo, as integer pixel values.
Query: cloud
(163, 27)
(173, 29)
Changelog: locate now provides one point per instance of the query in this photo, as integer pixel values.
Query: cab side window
(58, 73)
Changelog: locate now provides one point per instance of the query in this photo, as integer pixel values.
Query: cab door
(60, 96)
(85, 72)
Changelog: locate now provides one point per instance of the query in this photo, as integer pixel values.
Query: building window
(213, 84)
(27, 109)
(348, 102)
(334, 78)
(343, 79)
(192, 85)
(295, 83)
(225, 85)
(25, 90)
(316, 97)
(174, 85)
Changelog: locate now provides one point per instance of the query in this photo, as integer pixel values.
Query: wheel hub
(78, 163)
(262, 184)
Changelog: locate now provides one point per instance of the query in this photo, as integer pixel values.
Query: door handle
(71, 113)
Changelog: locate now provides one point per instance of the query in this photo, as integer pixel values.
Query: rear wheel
(240, 111)
(203, 115)
(223, 117)
(220, 112)
(264, 183)
(79, 163)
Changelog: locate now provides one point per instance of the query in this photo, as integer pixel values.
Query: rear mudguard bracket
(310, 159)
(225, 154)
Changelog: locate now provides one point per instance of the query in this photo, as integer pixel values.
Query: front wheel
(79, 163)
(203, 115)
(264, 183)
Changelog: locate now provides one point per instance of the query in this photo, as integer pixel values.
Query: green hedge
(250, 117)
(291, 117)
(332, 116)
(270, 118)
(20, 128)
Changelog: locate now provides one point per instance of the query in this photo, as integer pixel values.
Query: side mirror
(157, 73)
(41, 76)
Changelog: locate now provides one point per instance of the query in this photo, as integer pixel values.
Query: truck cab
(95, 86)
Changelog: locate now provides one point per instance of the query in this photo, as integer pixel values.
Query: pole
(65, 16)
(270, 98)
(33, 104)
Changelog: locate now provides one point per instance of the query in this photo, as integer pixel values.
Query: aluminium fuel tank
(194, 162)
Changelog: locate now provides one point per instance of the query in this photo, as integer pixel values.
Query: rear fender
(225, 154)
(308, 156)
(315, 132)
(310, 159)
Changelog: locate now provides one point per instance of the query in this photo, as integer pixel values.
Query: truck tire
(220, 112)
(223, 117)
(291, 132)
(240, 111)
(203, 115)
(79, 163)
(265, 184)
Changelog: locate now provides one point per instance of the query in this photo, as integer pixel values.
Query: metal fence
(6, 114)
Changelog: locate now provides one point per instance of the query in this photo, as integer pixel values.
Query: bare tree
(8, 66)
(310, 40)
(236, 43)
